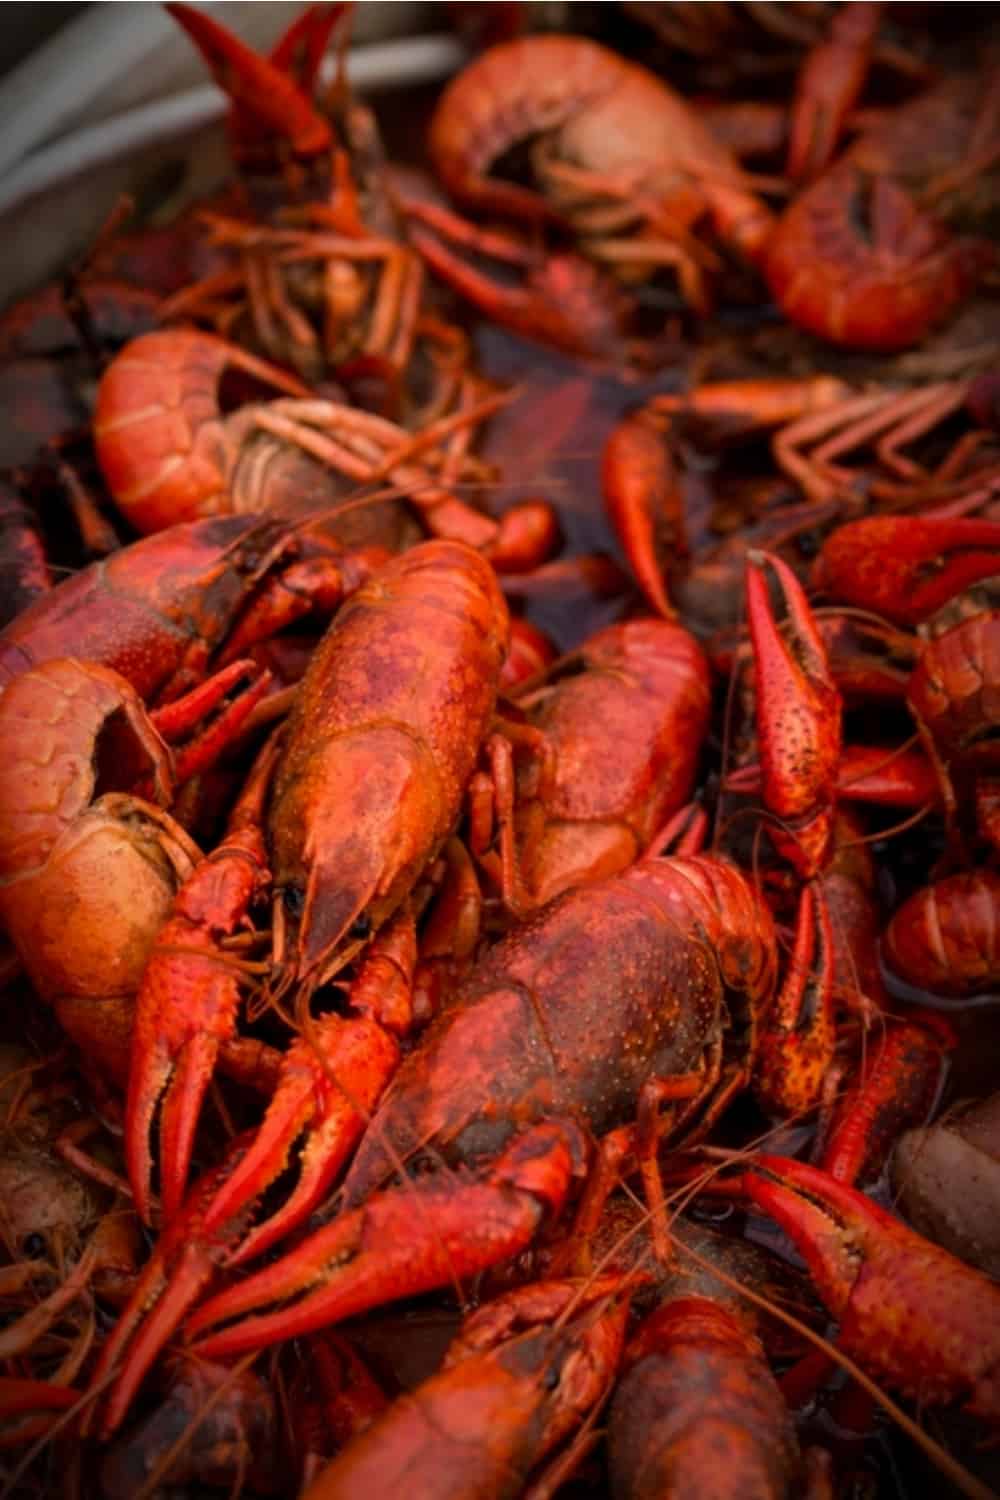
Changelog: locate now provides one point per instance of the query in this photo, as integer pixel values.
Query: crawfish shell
(382, 740)
(571, 1014)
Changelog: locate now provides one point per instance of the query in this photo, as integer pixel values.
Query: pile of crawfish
(500, 781)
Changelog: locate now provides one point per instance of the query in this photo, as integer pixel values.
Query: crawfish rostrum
(441, 1057)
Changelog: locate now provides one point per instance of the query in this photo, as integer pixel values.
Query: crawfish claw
(797, 1045)
(330, 1082)
(799, 716)
(910, 1312)
(406, 1240)
(262, 95)
(183, 1263)
(906, 567)
(187, 1001)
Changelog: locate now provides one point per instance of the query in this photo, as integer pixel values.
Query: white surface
(115, 57)
(383, 65)
(54, 200)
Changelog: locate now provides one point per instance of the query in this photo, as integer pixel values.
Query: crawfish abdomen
(946, 937)
(594, 110)
(955, 692)
(699, 1412)
(86, 881)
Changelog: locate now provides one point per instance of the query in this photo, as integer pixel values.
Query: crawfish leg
(450, 933)
(97, 535)
(818, 479)
(175, 718)
(387, 312)
(634, 1147)
(940, 402)
(491, 807)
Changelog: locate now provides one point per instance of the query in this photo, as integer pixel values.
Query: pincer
(264, 98)
(407, 1239)
(909, 1312)
(906, 567)
(798, 712)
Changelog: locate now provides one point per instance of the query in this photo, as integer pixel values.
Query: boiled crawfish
(539, 1361)
(622, 724)
(343, 864)
(621, 158)
(671, 950)
(906, 181)
(170, 454)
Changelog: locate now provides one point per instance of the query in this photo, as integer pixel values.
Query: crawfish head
(369, 812)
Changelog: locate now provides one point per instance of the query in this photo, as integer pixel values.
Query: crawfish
(618, 149)
(520, 1377)
(617, 996)
(169, 453)
(698, 1411)
(87, 880)
(402, 687)
(406, 681)
(859, 258)
(623, 722)
(158, 611)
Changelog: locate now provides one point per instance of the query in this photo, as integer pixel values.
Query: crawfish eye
(34, 1246)
(550, 1379)
(361, 927)
(294, 900)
